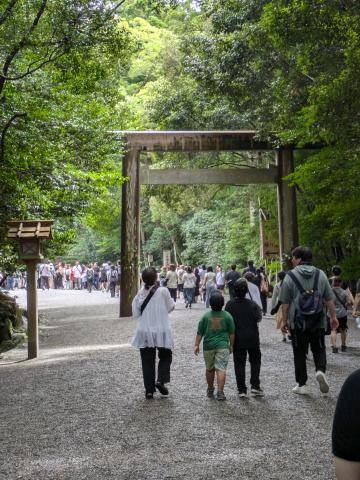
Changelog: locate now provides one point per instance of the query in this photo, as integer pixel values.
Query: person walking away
(162, 275)
(250, 267)
(254, 292)
(189, 287)
(113, 280)
(202, 273)
(220, 278)
(276, 305)
(151, 306)
(197, 285)
(180, 280)
(230, 278)
(96, 282)
(303, 293)
(216, 328)
(209, 284)
(172, 281)
(118, 269)
(342, 303)
(264, 289)
(247, 315)
(90, 278)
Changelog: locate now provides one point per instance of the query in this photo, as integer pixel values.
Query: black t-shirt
(346, 426)
(231, 278)
(246, 315)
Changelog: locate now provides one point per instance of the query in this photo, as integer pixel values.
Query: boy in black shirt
(246, 314)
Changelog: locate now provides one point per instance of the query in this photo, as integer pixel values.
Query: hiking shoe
(149, 395)
(162, 389)
(343, 348)
(210, 392)
(303, 390)
(242, 395)
(335, 350)
(257, 392)
(323, 383)
(284, 339)
(220, 395)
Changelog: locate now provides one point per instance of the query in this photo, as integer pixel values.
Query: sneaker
(323, 383)
(284, 339)
(335, 350)
(162, 389)
(343, 348)
(303, 390)
(149, 395)
(210, 392)
(186, 305)
(257, 392)
(220, 395)
(242, 395)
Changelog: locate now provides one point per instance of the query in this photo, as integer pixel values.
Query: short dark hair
(209, 269)
(233, 266)
(336, 270)
(250, 277)
(216, 301)
(189, 269)
(250, 263)
(304, 253)
(241, 287)
(149, 277)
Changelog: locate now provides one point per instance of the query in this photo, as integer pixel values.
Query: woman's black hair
(336, 270)
(216, 301)
(189, 270)
(209, 269)
(149, 277)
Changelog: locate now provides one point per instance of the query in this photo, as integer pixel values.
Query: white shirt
(220, 278)
(189, 280)
(255, 294)
(172, 279)
(153, 329)
(77, 271)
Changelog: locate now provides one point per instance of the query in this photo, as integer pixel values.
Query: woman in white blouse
(152, 306)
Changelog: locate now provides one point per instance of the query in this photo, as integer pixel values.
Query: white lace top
(153, 329)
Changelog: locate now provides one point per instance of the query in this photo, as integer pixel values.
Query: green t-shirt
(215, 328)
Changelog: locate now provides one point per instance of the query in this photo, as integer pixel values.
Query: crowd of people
(65, 276)
(307, 306)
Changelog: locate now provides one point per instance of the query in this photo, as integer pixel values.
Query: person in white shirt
(151, 306)
(171, 281)
(77, 270)
(189, 287)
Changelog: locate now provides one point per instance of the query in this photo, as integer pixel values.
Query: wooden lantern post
(30, 235)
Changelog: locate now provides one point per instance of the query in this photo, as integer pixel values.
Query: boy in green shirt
(218, 330)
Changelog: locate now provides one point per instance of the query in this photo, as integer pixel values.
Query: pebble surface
(79, 412)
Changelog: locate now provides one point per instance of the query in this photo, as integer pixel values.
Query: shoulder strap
(316, 280)
(296, 281)
(337, 296)
(148, 298)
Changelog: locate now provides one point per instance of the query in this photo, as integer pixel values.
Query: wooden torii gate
(195, 141)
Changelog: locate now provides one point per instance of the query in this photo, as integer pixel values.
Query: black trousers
(148, 360)
(173, 293)
(264, 297)
(300, 342)
(239, 356)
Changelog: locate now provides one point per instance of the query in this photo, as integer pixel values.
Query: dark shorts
(180, 287)
(220, 287)
(342, 325)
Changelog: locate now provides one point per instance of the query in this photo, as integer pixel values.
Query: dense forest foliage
(74, 71)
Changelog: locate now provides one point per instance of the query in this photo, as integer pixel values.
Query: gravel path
(78, 412)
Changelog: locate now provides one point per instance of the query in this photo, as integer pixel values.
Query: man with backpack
(304, 293)
(113, 280)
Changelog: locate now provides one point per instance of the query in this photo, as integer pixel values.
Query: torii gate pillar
(130, 231)
(287, 211)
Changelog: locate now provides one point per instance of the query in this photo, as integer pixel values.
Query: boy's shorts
(217, 359)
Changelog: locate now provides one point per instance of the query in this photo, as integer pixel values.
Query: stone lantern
(30, 235)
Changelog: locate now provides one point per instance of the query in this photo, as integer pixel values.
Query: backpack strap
(148, 298)
(296, 281)
(339, 299)
(316, 280)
